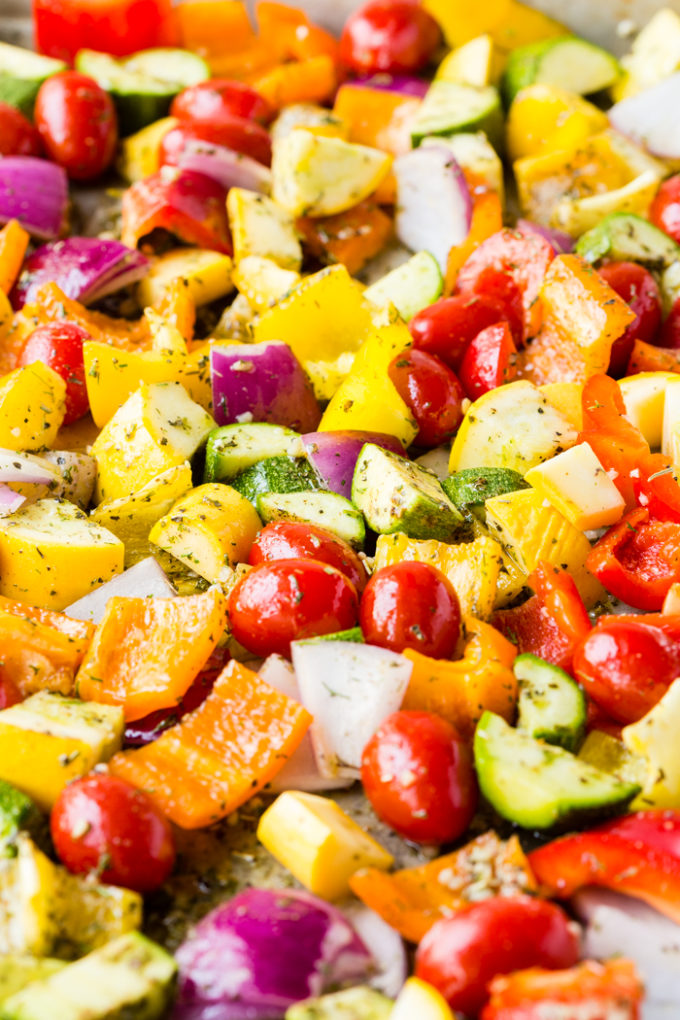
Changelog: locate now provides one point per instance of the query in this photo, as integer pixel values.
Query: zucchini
(394, 494)
(17, 812)
(326, 509)
(19, 969)
(567, 62)
(233, 448)
(450, 107)
(354, 634)
(471, 487)
(276, 474)
(358, 1003)
(627, 237)
(537, 785)
(22, 72)
(551, 706)
(410, 287)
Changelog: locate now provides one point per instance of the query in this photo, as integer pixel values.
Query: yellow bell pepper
(462, 690)
(508, 22)
(262, 282)
(545, 118)
(206, 275)
(140, 153)
(567, 398)
(31, 407)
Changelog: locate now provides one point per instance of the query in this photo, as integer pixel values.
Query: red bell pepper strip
(657, 488)
(550, 624)
(638, 559)
(638, 854)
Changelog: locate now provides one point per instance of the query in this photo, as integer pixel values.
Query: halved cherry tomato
(639, 289)
(285, 600)
(664, 211)
(9, 692)
(18, 137)
(288, 540)
(389, 35)
(103, 824)
(418, 774)
(462, 954)
(237, 133)
(447, 327)
(411, 605)
(59, 345)
(432, 392)
(489, 361)
(77, 122)
(627, 663)
(218, 98)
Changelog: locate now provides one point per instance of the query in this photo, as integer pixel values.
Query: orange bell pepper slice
(213, 27)
(462, 690)
(377, 117)
(146, 653)
(13, 244)
(40, 649)
(352, 237)
(413, 899)
(289, 32)
(647, 358)
(222, 754)
(487, 219)
(303, 81)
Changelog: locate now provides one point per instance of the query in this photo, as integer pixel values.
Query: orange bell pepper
(487, 219)
(289, 32)
(413, 899)
(647, 358)
(214, 27)
(462, 690)
(352, 237)
(302, 81)
(246, 64)
(13, 244)
(145, 654)
(220, 755)
(40, 649)
(377, 117)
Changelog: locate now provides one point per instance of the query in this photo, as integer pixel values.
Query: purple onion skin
(34, 192)
(404, 84)
(334, 455)
(562, 243)
(254, 956)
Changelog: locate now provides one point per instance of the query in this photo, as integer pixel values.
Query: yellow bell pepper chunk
(259, 226)
(644, 395)
(140, 153)
(206, 275)
(113, 375)
(546, 118)
(508, 22)
(420, 999)
(318, 843)
(31, 407)
(262, 282)
(48, 740)
(579, 487)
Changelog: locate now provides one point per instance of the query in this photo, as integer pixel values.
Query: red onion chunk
(650, 118)
(262, 383)
(229, 168)
(333, 455)
(561, 243)
(404, 84)
(265, 949)
(10, 501)
(85, 268)
(34, 192)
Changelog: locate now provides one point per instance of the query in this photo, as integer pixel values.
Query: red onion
(404, 84)
(10, 501)
(34, 192)
(333, 455)
(562, 243)
(229, 168)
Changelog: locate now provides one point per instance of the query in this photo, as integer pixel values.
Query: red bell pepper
(619, 446)
(638, 559)
(552, 622)
(638, 854)
(187, 204)
(237, 133)
(489, 361)
(598, 991)
(656, 488)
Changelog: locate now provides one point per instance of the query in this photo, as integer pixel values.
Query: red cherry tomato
(489, 361)
(281, 601)
(627, 663)
(432, 392)
(411, 605)
(59, 345)
(462, 954)
(9, 692)
(640, 291)
(291, 540)
(237, 133)
(389, 35)
(418, 774)
(101, 823)
(670, 331)
(220, 97)
(447, 327)
(18, 137)
(664, 211)
(77, 123)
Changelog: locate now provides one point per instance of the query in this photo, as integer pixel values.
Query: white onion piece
(10, 501)
(434, 207)
(22, 467)
(650, 118)
(300, 771)
(384, 944)
(144, 580)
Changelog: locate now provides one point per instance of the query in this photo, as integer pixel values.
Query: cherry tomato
(418, 773)
(220, 98)
(77, 123)
(489, 361)
(447, 327)
(102, 824)
(283, 600)
(389, 35)
(664, 211)
(237, 133)
(627, 663)
(670, 331)
(18, 137)
(59, 345)
(291, 540)
(9, 692)
(432, 392)
(411, 605)
(640, 291)
(462, 954)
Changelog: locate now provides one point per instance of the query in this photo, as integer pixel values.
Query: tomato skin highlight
(286, 600)
(237, 133)
(418, 774)
(489, 361)
(664, 211)
(432, 392)
(18, 137)
(287, 540)
(390, 36)
(640, 291)
(446, 327)
(101, 823)
(460, 955)
(59, 345)
(76, 120)
(220, 97)
(411, 605)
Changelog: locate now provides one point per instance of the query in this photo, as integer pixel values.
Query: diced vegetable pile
(342, 452)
